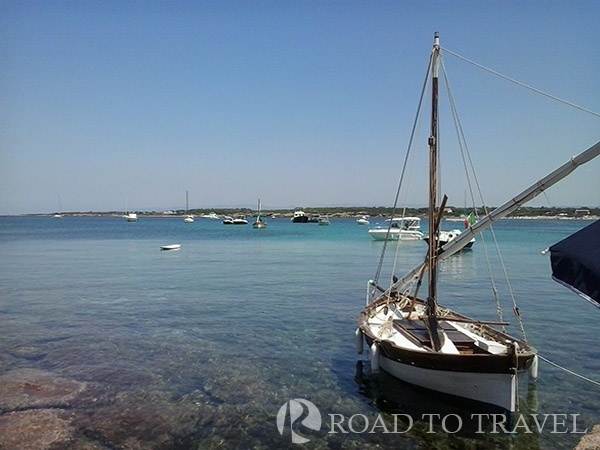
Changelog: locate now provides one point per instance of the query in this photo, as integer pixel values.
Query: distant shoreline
(455, 214)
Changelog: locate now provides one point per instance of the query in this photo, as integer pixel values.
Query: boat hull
(170, 247)
(447, 236)
(477, 364)
(395, 234)
(494, 389)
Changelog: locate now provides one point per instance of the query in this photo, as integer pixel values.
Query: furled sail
(575, 262)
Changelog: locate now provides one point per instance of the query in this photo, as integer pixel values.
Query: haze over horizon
(109, 105)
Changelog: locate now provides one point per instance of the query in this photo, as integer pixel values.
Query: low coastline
(453, 214)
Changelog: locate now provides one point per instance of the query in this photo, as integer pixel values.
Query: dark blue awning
(576, 262)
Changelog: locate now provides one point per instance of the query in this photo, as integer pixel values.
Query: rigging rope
(470, 169)
(597, 383)
(404, 166)
(512, 80)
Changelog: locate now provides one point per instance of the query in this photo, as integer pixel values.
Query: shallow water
(201, 347)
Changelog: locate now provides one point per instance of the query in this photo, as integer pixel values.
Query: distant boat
(398, 228)
(446, 236)
(259, 222)
(237, 221)
(59, 215)
(299, 217)
(170, 247)
(212, 215)
(131, 217)
(323, 220)
(364, 220)
(188, 217)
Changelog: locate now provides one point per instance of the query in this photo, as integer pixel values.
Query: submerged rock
(590, 441)
(30, 352)
(22, 389)
(37, 429)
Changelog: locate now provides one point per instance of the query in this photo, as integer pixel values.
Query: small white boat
(446, 236)
(237, 221)
(364, 220)
(323, 220)
(170, 247)
(188, 218)
(259, 223)
(398, 228)
(129, 216)
(212, 215)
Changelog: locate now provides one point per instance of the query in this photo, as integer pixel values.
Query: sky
(119, 104)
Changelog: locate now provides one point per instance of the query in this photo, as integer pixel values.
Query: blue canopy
(576, 262)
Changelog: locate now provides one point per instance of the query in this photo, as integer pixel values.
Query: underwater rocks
(34, 429)
(29, 388)
(590, 441)
(34, 405)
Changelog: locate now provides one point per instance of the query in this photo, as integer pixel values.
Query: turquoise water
(201, 347)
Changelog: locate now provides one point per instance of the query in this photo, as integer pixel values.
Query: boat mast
(433, 156)
(436, 337)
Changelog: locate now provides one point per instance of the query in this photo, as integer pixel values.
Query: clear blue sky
(303, 103)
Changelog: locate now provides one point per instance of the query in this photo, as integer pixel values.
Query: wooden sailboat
(188, 218)
(259, 223)
(418, 341)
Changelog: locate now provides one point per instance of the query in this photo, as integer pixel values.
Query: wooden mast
(436, 335)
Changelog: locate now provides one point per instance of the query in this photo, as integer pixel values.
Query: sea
(245, 338)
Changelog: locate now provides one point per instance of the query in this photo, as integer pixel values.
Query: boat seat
(418, 329)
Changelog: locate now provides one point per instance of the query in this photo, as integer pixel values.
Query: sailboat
(259, 223)
(188, 217)
(416, 340)
(59, 214)
(129, 216)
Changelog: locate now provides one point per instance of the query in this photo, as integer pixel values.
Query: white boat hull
(381, 234)
(170, 247)
(474, 362)
(490, 388)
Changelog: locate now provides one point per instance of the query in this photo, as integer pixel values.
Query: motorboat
(398, 228)
(300, 217)
(446, 236)
(235, 221)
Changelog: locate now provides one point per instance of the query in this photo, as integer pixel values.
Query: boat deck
(417, 331)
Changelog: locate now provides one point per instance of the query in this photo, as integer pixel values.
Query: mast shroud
(523, 197)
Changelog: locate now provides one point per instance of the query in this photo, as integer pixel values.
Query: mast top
(436, 39)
